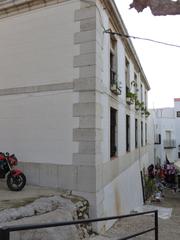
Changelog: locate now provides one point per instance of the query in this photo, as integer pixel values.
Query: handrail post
(156, 224)
(4, 234)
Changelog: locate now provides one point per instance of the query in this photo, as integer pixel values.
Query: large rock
(39, 206)
(57, 233)
(46, 210)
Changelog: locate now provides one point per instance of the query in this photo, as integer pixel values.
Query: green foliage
(149, 187)
(131, 97)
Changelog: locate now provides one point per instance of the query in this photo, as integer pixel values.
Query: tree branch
(158, 7)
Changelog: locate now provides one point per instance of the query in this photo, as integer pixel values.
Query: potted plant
(130, 97)
(142, 108)
(137, 104)
(147, 113)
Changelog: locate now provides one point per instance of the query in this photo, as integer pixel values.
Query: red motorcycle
(16, 179)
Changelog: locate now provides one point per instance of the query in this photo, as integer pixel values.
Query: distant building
(65, 102)
(166, 123)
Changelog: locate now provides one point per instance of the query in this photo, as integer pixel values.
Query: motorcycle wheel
(16, 183)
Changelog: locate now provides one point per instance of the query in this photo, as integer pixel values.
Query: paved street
(168, 229)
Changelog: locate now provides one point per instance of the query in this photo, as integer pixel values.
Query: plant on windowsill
(137, 104)
(134, 84)
(116, 88)
(130, 98)
(144, 111)
(147, 113)
(115, 84)
(142, 107)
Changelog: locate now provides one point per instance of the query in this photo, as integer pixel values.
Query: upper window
(141, 93)
(142, 134)
(136, 133)
(113, 58)
(178, 114)
(135, 83)
(127, 75)
(114, 85)
(146, 133)
(145, 98)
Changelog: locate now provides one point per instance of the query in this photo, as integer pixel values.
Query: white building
(167, 132)
(177, 126)
(62, 111)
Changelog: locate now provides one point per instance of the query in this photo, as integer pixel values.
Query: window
(113, 132)
(168, 135)
(146, 133)
(178, 154)
(136, 133)
(141, 93)
(113, 62)
(178, 114)
(157, 139)
(145, 98)
(127, 76)
(135, 83)
(127, 133)
(142, 133)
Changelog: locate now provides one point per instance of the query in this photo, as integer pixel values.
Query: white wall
(164, 120)
(125, 193)
(37, 47)
(177, 125)
(38, 127)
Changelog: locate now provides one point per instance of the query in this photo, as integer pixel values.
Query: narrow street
(168, 229)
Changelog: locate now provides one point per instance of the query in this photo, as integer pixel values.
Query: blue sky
(161, 63)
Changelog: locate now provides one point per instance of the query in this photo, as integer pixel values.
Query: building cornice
(14, 7)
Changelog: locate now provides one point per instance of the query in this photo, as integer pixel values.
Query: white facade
(177, 126)
(166, 122)
(57, 105)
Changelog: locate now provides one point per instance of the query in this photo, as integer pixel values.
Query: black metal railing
(169, 143)
(6, 230)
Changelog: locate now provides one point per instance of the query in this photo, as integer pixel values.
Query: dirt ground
(10, 199)
(169, 229)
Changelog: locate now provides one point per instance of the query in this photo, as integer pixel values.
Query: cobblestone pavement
(169, 229)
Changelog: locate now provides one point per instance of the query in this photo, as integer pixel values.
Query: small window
(113, 61)
(145, 98)
(142, 133)
(157, 139)
(178, 114)
(135, 83)
(127, 133)
(136, 133)
(141, 93)
(146, 133)
(178, 154)
(113, 132)
(127, 75)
